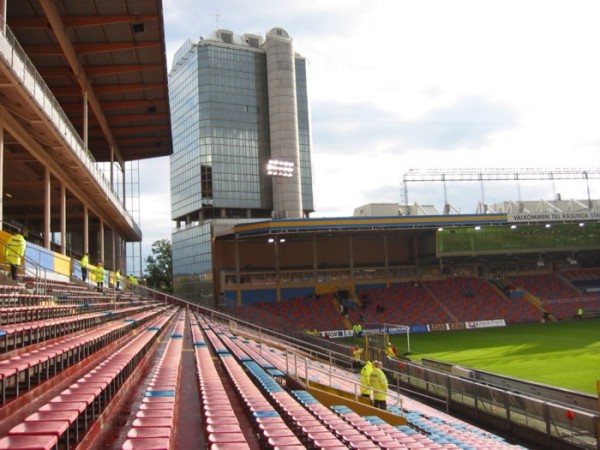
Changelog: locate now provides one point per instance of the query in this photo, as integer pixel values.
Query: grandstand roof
(83, 81)
(114, 50)
(327, 225)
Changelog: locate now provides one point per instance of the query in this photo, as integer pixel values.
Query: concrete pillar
(63, 219)
(47, 207)
(1, 174)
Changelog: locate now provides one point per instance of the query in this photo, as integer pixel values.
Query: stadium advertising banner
(550, 216)
(334, 334)
(486, 324)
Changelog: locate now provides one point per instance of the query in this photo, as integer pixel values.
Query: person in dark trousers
(356, 353)
(365, 380)
(99, 276)
(85, 264)
(379, 384)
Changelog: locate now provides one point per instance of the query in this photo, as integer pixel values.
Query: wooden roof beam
(77, 22)
(107, 89)
(116, 105)
(86, 49)
(93, 71)
(73, 58)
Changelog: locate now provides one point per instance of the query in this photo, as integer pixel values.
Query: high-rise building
(241, 139)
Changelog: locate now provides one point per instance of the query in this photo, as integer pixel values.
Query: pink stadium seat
(147, 444)
(41, 442)
(151, 432)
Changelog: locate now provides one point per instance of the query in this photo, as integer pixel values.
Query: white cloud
(395, 85)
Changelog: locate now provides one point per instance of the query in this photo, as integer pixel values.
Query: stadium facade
(241, 141)
(277, 260)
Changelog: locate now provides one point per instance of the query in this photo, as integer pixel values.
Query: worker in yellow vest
(99, 276)
(379, 384)
(365, 380)
(118, 279)
(85, 264)
(356, 352)
(14, 251)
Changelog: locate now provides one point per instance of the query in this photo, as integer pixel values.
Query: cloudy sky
(422, 84)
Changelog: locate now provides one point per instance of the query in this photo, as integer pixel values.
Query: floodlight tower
(500, 174)
(283, 120)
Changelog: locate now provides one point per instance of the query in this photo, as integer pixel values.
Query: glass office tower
(238, 105)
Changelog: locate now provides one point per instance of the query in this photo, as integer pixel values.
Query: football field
(564, 354)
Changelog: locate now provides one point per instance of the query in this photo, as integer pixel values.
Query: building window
(206, 181)
(227, 38)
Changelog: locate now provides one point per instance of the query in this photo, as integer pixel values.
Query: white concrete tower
(283, 118)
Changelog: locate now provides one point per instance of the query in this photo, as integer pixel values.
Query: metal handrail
(29, 78)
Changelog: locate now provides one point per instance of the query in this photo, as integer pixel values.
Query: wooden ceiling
(114, 50)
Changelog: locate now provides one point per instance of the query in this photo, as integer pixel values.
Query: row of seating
(320, 313)
(222, 427)
(447, 432)
(21, 372)
(568, 308)
(22, 334)
(16, 314)
(314, 431)
(277, 363)
(428, 302)
(450, 432)
(154, 421)
(269, 424)
(18, 298)
(313, 434)
(357, 434)
(61, 420)
(545, 286)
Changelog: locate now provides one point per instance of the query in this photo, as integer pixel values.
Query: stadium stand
(559, 292)
(453, 299)
(249, 388)
(471, 299)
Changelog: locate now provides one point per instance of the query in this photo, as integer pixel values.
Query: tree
(159, 266)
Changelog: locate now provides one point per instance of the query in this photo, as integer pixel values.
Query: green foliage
(159, 266)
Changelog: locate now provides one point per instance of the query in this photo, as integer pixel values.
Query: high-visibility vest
(15, 249)
(365, 378)
(99, 274)
(378, 382)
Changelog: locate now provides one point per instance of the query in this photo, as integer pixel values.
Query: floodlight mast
(499, 174)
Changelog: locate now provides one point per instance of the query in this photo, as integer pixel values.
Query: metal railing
(522, 416)
(32, 82)
(536, 420)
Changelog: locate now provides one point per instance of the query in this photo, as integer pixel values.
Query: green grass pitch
(563, 354)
